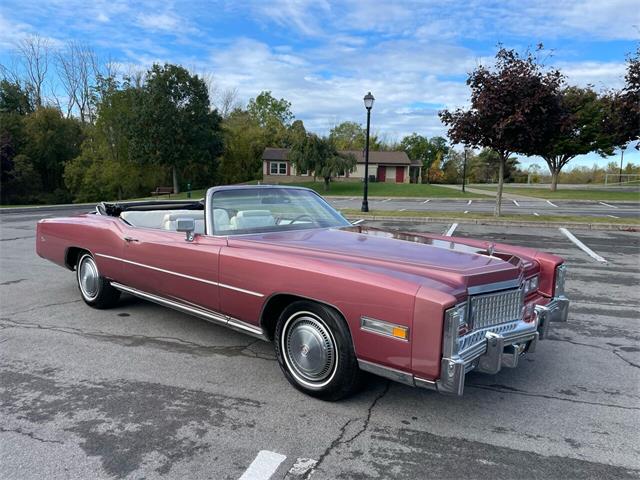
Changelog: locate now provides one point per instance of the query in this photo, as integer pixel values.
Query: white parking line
(466, 211)
(469, 202)
(385, 200)
(352, 198)
(402, 210)
(582, 246)
(552, 204)
(357, 221)
(263, 466)
(612, 216)
(516, 203)
(427, 201)
(607, 205)
(452, 229)
(536, 214)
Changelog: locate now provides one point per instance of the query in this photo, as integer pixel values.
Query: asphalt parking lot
(532, 206)
(141, 391)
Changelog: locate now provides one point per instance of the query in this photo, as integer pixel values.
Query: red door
(382, 173)
(399, 174)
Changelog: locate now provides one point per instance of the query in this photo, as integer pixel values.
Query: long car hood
(397, 254)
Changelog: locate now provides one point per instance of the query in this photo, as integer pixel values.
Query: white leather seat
(146, 219)
(252, 219)
(169, 220)
(221, 219)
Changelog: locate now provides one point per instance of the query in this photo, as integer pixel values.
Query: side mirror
(186, 225)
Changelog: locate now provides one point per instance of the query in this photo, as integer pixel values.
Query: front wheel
(315, 351)
(96, 291)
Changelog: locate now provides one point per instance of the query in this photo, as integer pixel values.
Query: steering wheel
(300, 217)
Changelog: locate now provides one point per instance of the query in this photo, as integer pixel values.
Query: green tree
(13, 99)
(348, 136)
(427, 152)
(174, 126)
(103, 170)
(244, 143)
(272, 115)
(321, 157)
(578, 131)
(50, 142)
(621, 123)
(485, 167)
(514, 109)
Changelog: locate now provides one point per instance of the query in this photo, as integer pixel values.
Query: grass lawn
(569, 193)
(489, 216)
(354, 189)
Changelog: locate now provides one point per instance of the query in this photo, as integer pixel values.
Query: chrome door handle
(130, 239)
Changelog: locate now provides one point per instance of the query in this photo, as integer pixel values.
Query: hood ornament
(491, 249)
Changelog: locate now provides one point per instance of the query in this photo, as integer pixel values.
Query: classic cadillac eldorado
(279, 263)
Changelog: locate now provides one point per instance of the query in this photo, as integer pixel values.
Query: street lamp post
(621, 160)
(368, 104)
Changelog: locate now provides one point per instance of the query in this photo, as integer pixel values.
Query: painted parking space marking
(427, 201)
(582, 246)
(452, 229)
(358, 221)
(469, 202)
(466, 211)
(515, 202)
(402, 210)
(263, 466)
(612, 216)
(552, 204)
(536, 214)
(607, 205)
(383, 201)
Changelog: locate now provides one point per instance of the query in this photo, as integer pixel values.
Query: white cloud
(159, 21)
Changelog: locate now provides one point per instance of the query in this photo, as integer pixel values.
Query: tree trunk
(554, 180)
(176, 187)
(496, 212)
(326, 182)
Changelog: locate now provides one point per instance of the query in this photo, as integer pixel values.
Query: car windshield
(257, 210)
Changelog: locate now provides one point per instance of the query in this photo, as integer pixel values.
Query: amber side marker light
(384, 328)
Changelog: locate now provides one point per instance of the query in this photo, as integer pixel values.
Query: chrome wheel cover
(309, 349)
(88, 278)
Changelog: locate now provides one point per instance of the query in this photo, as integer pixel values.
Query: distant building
(392, 167)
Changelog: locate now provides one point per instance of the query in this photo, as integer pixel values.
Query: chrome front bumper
(499, 346)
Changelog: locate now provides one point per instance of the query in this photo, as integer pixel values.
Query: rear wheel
(96, 291)
(315, 351)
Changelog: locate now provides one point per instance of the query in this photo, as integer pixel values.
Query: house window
(278, 168)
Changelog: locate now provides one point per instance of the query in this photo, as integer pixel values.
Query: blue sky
(324, 56)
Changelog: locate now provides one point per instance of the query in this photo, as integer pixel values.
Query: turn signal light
(399, 332)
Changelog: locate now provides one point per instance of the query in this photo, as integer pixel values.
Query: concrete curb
(502, 223)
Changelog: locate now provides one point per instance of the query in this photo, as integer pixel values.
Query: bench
(162, 191)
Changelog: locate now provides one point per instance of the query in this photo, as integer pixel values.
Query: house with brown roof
(393, 167)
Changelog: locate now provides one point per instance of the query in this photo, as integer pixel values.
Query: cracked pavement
(143, 391)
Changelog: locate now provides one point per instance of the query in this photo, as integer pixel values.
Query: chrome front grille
(495, 308)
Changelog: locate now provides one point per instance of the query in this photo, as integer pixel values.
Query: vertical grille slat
(495, 308)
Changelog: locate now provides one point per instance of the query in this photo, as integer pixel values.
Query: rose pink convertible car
(281, 264)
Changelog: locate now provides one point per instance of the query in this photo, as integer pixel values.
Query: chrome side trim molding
(178, 274)
(237, 289)
(387, 372)
(207, 315)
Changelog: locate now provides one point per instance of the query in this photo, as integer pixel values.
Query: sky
(324, 56)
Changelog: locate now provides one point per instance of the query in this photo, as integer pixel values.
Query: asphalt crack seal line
(343, 430)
